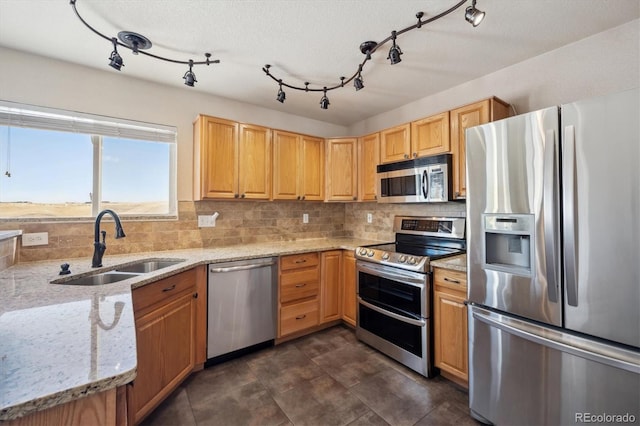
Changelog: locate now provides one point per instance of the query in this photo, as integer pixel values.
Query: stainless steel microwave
(421, 180)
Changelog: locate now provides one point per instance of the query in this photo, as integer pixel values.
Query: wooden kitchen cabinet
(349, 297)
(298, 167)
(342, 169)
(395, 144)
(368, 160)
(430, 136)
(462, 118)
(330, 286)
(298, 293)
(165, 315)
(450, 324)
(231, 160)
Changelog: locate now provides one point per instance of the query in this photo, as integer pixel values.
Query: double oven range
(395, 289)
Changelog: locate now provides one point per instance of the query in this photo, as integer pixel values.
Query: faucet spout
(99, 247)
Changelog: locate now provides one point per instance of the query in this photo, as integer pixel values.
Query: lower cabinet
(298, 293)
(450, 324)
(349, 302)
(165, 314)
(330, 286)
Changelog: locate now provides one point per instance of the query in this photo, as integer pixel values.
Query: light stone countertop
(61, 342)
(5, 235)
(456, 263)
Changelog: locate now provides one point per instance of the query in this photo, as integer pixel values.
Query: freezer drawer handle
(419, 323)
(512, 328)
(242, 268)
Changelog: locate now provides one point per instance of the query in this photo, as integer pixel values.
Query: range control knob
(362, 251)
(370, 253)
(385, 256)
(402, 258)
(411, 260)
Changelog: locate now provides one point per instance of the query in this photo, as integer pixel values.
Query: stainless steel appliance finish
(421, 180)
(553, 208)
(394, 288)
(241, 305)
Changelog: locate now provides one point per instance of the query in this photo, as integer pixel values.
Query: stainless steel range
(394, 288)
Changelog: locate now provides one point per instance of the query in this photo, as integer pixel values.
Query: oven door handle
(419, 323)
(425, 185)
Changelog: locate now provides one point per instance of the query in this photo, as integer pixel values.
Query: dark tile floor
(327, 378)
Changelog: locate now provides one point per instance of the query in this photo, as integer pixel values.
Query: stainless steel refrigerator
(553, 258)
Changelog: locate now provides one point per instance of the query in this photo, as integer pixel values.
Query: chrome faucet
(100, 247)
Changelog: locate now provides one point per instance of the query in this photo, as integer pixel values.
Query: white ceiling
(304, 40)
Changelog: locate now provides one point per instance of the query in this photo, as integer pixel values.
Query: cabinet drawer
(298, 317)
(448, 278)
(295, 261)
(163, 290)
(296, 285)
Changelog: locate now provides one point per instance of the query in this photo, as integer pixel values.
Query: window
(61, 164)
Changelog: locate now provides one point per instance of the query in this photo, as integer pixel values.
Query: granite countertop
(456, 263)
(61, 342)
(5, 235)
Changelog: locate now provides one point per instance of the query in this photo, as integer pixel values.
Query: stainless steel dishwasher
(241, 307)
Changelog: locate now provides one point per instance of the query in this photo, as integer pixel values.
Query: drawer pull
(451, 280)
(169, 288)
(300, 285)
(303, 316)
(301, 261)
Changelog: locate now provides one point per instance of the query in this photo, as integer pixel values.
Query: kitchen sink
(98, 279)
(148, 265)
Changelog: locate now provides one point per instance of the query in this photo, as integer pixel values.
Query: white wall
(603, 63)
(47, 82)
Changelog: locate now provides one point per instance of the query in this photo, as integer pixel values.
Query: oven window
(401, 334)
(392, 295)
(398, 186)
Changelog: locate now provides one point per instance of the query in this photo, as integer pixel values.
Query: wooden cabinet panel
(349, 302)
(461, 119)
(254, 179)
(299, 316)
(149, 381)
(163, 290)
(215, 158)
(395, 144)
(342, 169)
(368, 160)
(312, 170)
(299, 284)
(430, 135)
(295, 261)
(454, 280)
(298, 290)
(285, 165)
(330, 286)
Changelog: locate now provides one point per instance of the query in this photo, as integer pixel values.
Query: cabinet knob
(375, 197)
(304, 196)
(415, 155)
(195, 295)
(406, 156)
(235, 195)
(299, 198)
(456, 194)
(242, 196)
(355, 198)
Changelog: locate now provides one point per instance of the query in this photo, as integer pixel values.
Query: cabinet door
(330, 288)
(395, 144)
(254, 179)
(349, 304)
(285, 165)
(368, 160)
(342, 169)
(430, 135)
(450, 323)
(311, 170)
(216, 168)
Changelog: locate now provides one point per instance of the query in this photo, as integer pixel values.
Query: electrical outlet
(206, 221)
(369, 218)
(35, 239)
(305, 217)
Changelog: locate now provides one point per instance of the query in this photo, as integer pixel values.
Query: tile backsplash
(238, 222)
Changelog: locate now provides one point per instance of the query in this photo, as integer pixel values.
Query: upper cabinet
(462, 118)
(231, 160)
(342, 169)
(368, 160)
(298, 167)
(395, 144)
(430, 135)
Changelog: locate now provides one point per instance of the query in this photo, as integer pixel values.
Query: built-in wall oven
(394, 288)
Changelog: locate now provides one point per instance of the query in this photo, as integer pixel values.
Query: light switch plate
(369, 218)
(35, 239)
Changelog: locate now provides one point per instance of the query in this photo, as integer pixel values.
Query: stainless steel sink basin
(149, 265)
(98, 279)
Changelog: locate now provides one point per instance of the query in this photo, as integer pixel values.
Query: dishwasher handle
(242, 268)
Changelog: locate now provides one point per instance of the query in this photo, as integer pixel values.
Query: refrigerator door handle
(550, 214)
(555, 340)
(570, 221)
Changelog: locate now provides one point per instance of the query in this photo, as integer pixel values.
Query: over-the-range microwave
(420, 180)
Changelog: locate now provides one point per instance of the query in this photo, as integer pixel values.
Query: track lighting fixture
(138, 43)
(281, 95)
(472, 15)
(394, 52)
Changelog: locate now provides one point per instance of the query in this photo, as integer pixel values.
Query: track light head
(281, 95)
(394, 52)
(358, 83)
(115, 60)
(189, 77)
(473, 15)
(324, 102)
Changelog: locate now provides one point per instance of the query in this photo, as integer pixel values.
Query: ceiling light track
(472, 15)
(138, 43)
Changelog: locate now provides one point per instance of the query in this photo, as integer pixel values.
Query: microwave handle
(425, 184)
